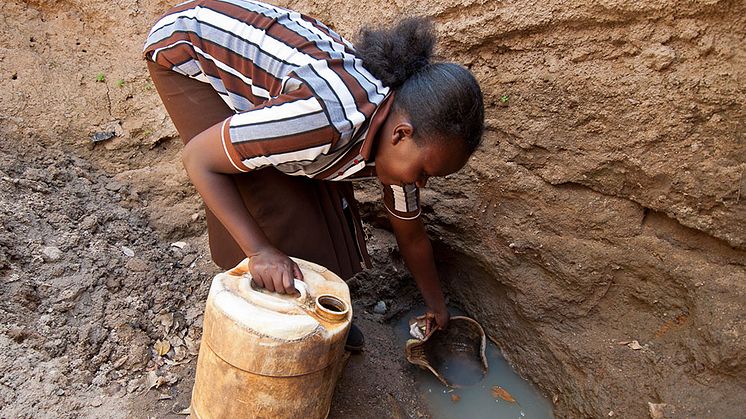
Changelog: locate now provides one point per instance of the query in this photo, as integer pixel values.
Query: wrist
(438, 306)
(260, 248)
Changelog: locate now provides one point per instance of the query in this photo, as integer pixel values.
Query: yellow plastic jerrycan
(268, 355)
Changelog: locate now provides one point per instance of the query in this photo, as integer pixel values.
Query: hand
(436, 318)
(275, 271)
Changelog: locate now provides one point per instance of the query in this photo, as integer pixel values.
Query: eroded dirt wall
(605, 206)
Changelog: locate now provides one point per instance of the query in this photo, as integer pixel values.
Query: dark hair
(441, 99)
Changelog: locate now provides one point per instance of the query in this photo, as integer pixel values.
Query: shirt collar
(376, 122)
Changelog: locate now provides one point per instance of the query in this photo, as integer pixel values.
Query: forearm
(417, 251)
(222, 197)
(419, 258)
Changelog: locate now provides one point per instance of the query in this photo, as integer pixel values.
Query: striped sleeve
(291, 128)
(402, 201)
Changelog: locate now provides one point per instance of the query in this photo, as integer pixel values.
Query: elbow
(188, 158)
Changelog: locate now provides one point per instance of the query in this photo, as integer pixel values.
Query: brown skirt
(302, 217)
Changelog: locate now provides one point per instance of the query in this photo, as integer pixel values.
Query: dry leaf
(634, 345)
(499, 392)
(155, 381)
(164, 396)
(162, 347)
(455, 397)
(174, 363)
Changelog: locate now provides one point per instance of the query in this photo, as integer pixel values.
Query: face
(399, 160)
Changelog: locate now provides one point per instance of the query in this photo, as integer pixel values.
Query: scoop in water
(456, 355)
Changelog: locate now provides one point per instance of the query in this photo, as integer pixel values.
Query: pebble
(103, 136)
(380, 307)
(51, 253)
(658, 57)
(188, 259)
(127, 251)
(89, 222)
(113, 186)
(134, 384)
(137, 265)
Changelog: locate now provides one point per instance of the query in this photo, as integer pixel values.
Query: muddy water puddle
(501, 393)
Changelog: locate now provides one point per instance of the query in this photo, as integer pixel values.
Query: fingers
(268, 283)
(287, 282)
(442, 319)
(429, 319)
(275, 271)
(297, 272)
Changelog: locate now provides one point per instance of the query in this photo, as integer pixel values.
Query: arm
(415, 246)
(209, 168)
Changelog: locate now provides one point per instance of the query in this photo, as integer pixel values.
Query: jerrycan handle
(272, 301)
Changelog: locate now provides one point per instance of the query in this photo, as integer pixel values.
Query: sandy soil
(88, 289)
(604, 207)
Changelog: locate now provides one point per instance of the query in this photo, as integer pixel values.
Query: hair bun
(393, 55)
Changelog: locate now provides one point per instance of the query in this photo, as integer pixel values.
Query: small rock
(112, 283)
(188, 259)
(659, 410)
(113, 186)
(136, 384)
(380, 307)
(180, 245)
(51, 253)
(113, 389)
(103, 136)
(689, 33)
(95, 403)
(60, 392)
(137, 265)
(127, 251)
(658, 56)
(635, 345)
(11, 278)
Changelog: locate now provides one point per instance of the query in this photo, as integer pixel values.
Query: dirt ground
(599, 233)
(89, 288)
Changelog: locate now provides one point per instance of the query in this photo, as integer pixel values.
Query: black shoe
(355, 339)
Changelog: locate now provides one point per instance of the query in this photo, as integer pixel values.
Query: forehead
(444, 158)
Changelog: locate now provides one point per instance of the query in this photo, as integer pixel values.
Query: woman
(274, 108)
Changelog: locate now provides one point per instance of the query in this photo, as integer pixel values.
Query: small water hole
(486, 398)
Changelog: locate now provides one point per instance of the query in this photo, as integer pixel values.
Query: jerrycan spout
(331, 308)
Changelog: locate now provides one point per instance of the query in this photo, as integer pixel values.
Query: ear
(402, 131)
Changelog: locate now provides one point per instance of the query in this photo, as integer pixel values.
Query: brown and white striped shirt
(304, 102)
